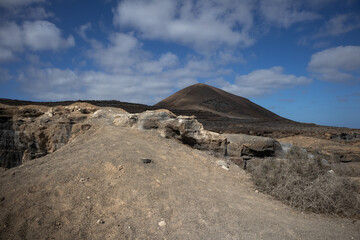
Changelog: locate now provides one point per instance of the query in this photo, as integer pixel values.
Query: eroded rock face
(191, 132)
(29, 132)
(251, 146)
(183, 128)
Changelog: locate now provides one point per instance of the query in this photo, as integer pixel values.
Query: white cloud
(121, 55)
(37, 35)
(201, 24)
(124, 54)
(157, 66)
(6, 55)
(337, 64)
(206, 25)
(340, 24)
(18, 3)
(11, 37)
(285, 13)
(44, 35)
(58, 84)
(264, 81)
(83, 29)
(129, 74)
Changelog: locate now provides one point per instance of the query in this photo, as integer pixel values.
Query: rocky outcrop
(29, 132)
(183, 128)
(251, 146)
(191, 132)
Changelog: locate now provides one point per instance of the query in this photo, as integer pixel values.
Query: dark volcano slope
(205, 98)
(221, 111)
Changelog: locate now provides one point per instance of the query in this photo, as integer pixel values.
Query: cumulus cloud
(36, 35)
(340, 24)
(201, 24)
(44, 35)
(121, 55)
(206, 25)
(264, 81)
(285, 13)
(337, 64)
(127, 73)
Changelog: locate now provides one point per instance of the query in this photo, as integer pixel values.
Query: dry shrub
(305, 184)
(346, 169)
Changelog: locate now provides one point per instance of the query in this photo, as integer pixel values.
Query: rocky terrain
(108, 169)
(149, 176)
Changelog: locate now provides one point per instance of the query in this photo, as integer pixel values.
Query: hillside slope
(207, 98)
(97, 187)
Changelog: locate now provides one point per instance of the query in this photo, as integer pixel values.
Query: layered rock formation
(29, 132)
(183, 128)
(189, 131)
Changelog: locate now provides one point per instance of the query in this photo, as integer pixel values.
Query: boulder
(154, 119)
(125, 119)
(191, 132)
(253, 146)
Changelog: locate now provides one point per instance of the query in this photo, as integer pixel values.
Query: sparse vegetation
(305, 184)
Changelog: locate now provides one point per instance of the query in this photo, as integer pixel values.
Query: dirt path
(100, 176)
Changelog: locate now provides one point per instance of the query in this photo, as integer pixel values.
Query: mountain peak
(203, 97)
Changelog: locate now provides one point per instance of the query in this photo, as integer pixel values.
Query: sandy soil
(97, 187)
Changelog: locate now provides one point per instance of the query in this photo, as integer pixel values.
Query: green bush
(305, 184)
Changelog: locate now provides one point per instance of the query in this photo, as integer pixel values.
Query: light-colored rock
(222, 163)
(125, 119)
(153, 119)
(162, 223)
(100, 221)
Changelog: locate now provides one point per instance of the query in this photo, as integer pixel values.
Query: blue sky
(300, 59)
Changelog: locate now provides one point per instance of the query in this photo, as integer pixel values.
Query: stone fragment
(82, 180)
(100, 221)
(162, 223)
(146, 160)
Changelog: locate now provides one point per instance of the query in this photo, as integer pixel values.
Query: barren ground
(100, 176)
